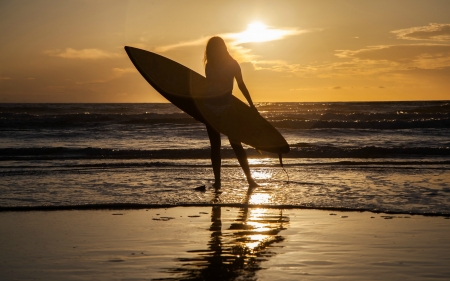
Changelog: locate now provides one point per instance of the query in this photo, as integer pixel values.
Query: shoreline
(139, 206)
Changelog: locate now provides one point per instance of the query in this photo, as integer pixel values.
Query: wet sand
(222, 243)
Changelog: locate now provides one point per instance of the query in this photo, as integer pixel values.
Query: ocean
(391, 157)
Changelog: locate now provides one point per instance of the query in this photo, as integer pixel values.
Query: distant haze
(349, 50)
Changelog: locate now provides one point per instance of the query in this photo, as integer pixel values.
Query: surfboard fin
(281, 164)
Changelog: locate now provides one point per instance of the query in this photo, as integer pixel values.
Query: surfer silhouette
(221, 70)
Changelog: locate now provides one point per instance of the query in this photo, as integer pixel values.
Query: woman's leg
(215, 141)
(242, 158)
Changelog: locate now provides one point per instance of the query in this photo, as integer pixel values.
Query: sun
(259, 32)
(256, 32)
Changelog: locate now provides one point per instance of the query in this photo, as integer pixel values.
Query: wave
(367, 124)
(297, 151)
(358, 115)
(20, 121)
(16, 121)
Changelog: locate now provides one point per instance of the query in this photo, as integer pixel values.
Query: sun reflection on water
(259, 161)
(237, 245)
(260, 198)
(262, 175)
(255, 240)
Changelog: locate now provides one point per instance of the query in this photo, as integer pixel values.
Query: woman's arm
(241, 85)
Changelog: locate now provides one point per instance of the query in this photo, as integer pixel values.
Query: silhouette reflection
(235, 249)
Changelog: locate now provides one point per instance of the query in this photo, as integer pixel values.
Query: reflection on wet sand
(235, 249)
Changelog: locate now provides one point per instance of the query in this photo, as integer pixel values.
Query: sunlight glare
(258, 32)
(262, 174)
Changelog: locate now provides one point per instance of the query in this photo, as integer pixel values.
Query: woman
(221, 70)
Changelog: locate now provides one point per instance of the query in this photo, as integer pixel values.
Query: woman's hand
(252, 106)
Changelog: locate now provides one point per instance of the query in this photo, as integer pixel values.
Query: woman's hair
(216, 51)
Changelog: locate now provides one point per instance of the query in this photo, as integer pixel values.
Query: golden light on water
(257, 223)
(258, 161)
(237, 244)
(259, 220)
(261, 174)
(260, 198)
(255, 240)
(264, 175)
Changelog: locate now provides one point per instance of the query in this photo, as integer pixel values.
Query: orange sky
(348, 50)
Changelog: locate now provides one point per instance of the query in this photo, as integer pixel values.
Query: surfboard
(186, 89)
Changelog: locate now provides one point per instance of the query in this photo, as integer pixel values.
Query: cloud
(432, 32)
(5, 78)
(92, 82)
(372, 60)
(380, 59)
(426, 56)
(306, 89)
(196, 42)
(276, 65)
(117, 72)
(70, 53)
(338, 88)
(237, 44)
(254, 33)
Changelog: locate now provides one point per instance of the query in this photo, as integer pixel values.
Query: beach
(222, 243)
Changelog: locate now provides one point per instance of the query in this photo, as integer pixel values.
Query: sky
(289, 51)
